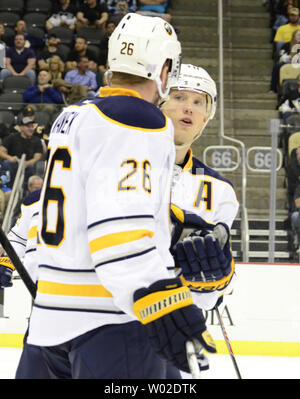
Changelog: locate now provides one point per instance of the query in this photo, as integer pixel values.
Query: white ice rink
(221, 366)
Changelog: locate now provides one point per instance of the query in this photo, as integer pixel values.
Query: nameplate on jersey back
(63, 123)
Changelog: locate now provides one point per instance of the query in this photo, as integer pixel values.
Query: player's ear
(164, 75)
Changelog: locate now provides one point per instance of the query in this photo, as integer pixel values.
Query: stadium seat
(95, 49)
(15, 84)
(65, 35)
(15, 6)
(7, 117)
(64, 49)
(9, 18)
(35, 19)
(294, 122)
(294, 141)
(288, 71)
(42, 117)
(43, 6)
(11, 102)
(38, 32)
(288, 85)
(9, 31)
(92, 35)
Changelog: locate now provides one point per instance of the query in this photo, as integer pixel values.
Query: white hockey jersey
(103, 230)
(201, 190)
(23, 235)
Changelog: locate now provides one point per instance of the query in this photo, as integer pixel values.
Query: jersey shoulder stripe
(130, 111)
(200, 168)
(32, 198)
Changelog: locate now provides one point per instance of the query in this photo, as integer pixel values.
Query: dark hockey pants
(112, 351)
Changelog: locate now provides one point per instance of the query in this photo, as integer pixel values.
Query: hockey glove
(6, 270)
(167, 311)
(203, 258)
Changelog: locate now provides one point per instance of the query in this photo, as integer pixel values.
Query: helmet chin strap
(108, 76)
(183, 146)
(163, 95)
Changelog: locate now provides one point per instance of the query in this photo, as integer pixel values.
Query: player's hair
(121, 78)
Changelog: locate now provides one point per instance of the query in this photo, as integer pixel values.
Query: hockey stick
(192, 360)
(228, 343)
(15, 260)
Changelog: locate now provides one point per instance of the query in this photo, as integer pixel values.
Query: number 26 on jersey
(136, 176)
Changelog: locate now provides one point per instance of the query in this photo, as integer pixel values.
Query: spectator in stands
(72, 93)
(3, 38)
(63, 14)
(4, 130)
(6, 191)
(56, 67)
(41, 131)
(81, 75)
(118, 8)
(288, 54)
(51, 49)
(109, 28)
(43, 93)
(293, 173)
(23, 142)
(285, 32)
(80, 49)
(154, 8)
(19, 61)
(34, 42)
(282, 17)
(93, 66)
(91, 14)
(290, 103)
(35, 182)
(295, 215)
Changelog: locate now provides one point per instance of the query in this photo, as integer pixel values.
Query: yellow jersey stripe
(32, 232)
(87, 290)
(179, 214)
(113, 239)
(118, 91)
(189, 163)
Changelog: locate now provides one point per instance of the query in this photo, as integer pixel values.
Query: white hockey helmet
(197, 79)
(141, 45)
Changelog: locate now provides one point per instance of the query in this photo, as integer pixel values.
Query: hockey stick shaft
(228, 343)
(192, 360)
(15, 260)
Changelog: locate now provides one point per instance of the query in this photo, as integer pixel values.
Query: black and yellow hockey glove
(171, 319)
(6, 270)
(202, 252)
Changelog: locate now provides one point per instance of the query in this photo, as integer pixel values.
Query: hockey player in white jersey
(23, 238)
(199, 194)
(106, 306)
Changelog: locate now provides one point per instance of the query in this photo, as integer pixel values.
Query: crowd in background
(56, 55)
(285, 82)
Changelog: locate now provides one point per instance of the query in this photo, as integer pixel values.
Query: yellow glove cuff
(5, 261)
(209, 286)
(157, 304)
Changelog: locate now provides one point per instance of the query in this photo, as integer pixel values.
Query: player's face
(189, 112)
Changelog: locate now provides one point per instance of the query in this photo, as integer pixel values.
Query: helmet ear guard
(141, 46)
